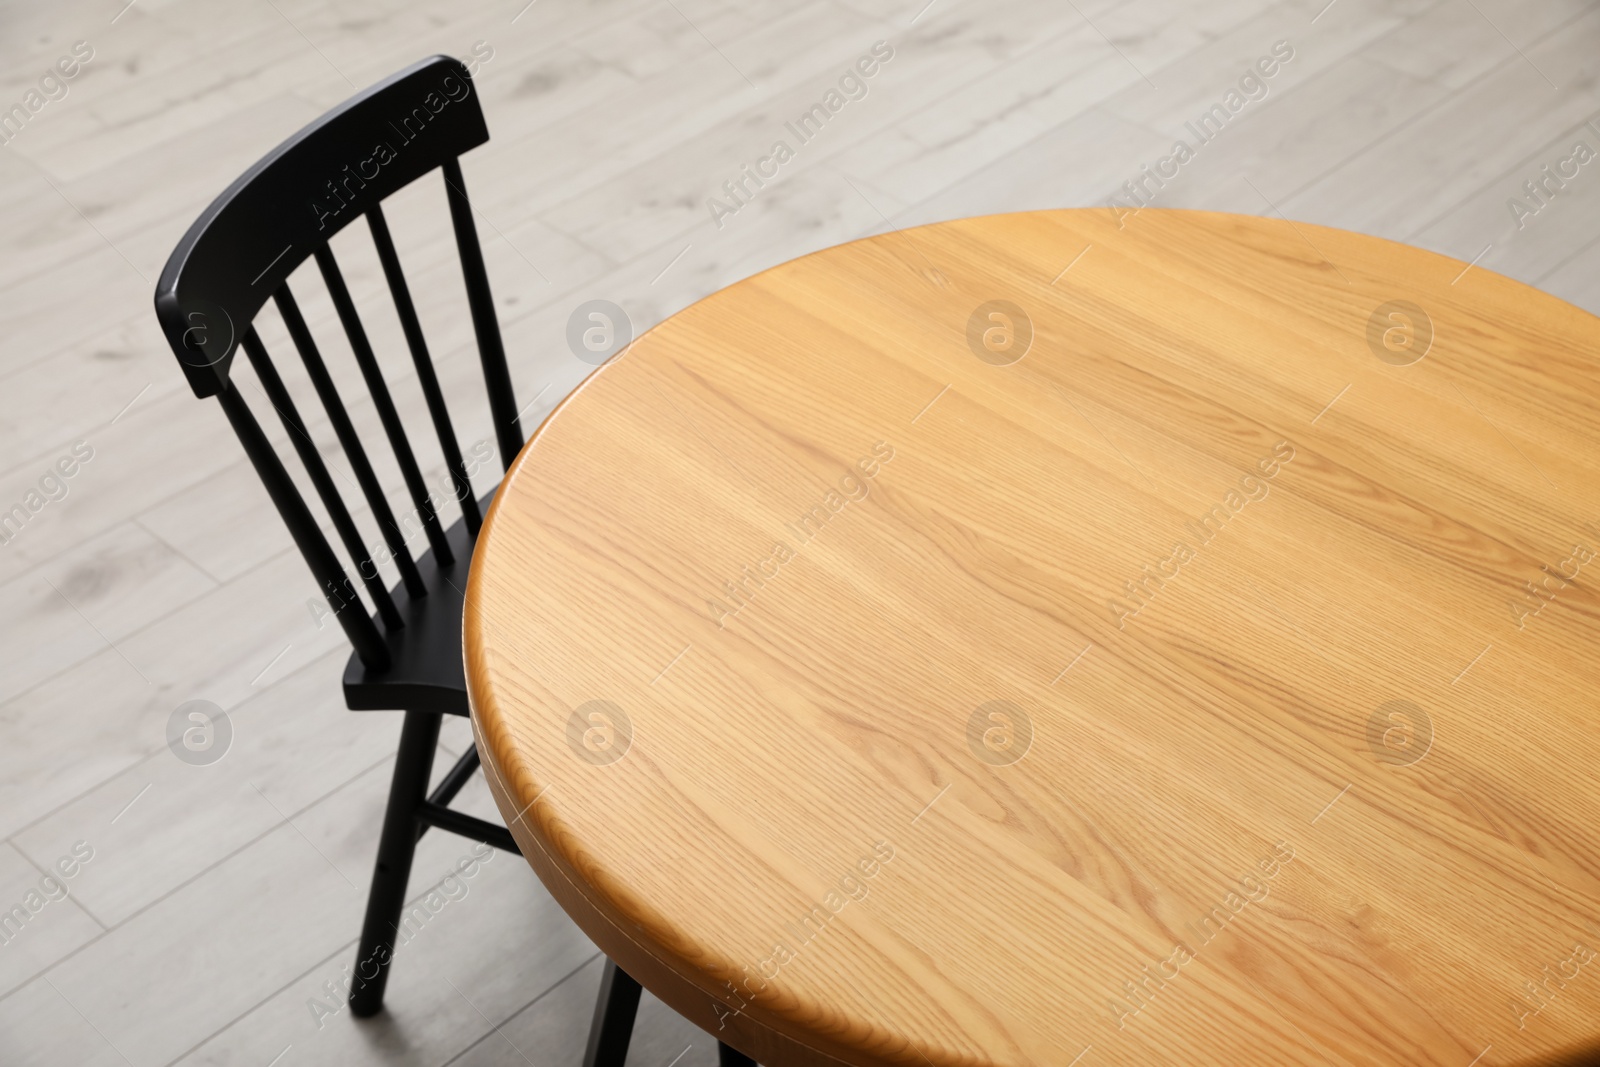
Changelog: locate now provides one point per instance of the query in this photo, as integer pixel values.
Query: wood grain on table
(1034, 639)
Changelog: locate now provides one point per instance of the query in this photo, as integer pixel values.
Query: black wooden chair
(237, 256)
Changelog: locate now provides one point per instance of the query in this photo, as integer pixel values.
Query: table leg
(732, 1057)
(612, 1028)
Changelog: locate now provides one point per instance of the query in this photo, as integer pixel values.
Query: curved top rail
(300, 194)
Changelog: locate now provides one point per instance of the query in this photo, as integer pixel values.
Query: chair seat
(425, 671)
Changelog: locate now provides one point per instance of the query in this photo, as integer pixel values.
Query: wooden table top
(1029, 640)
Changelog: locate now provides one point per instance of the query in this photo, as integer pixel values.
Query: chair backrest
(241, 251)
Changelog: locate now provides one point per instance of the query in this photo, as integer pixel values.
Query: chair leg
(387, 899)
(614, 1011)
(732, 1057)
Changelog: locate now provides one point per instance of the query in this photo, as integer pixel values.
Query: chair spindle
(460, 480)
(349, 441)
(421, 503)
(331, 578)
(496, 375)
(279, 396)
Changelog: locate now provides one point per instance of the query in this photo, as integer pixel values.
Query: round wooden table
(1034, 640)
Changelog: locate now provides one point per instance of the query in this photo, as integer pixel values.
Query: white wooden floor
(222, 900)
